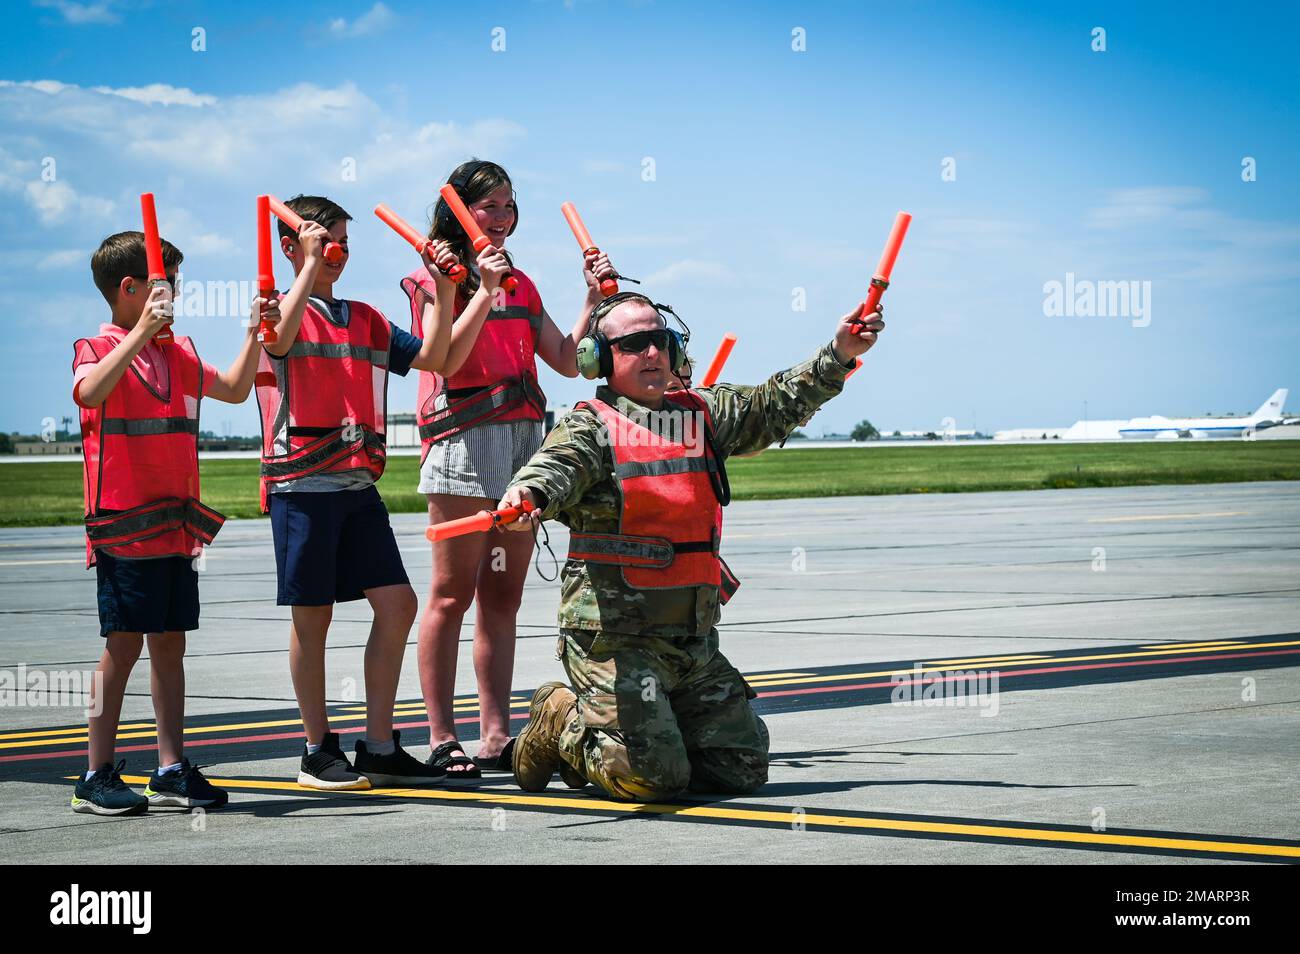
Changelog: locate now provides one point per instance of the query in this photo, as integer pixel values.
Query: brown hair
(122, 256)
(473, 180)
(314, 208)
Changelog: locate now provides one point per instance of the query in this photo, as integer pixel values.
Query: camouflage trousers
(657, 716)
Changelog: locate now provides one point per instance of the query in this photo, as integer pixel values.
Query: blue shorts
(147, 596)
(331, 547)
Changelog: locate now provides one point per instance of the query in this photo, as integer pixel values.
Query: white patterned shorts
(479, 462)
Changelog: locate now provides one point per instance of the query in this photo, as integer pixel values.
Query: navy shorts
(331, 547)
(147, 596)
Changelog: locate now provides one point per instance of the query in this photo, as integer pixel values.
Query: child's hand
(438, 259)
(856, 335)
(492, 267)
(264, 309)
(596, 268)
(157, 313)
(313, 238)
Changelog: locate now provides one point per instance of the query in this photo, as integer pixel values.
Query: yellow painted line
(920, 668)
(986, 659)
(1214, 642)
(77, 731)
(787, 816)
(38, 562)
(1170, 516)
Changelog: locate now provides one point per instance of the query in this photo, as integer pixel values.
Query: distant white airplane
(1207, 428)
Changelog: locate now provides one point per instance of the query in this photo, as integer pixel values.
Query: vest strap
(152, 520)
(487, 405)
(322, 453)
(625, 549)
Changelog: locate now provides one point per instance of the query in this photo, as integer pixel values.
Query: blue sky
(775, 170)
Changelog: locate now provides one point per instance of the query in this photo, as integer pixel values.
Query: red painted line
(223, 739)
(1043, 670)
(1022, 672)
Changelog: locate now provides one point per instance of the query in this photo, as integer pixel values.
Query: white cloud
(377, 19)
(1153, 205)
(159, 94)
(81, 13)
(64, 258)
(688, 270)
(57, 201)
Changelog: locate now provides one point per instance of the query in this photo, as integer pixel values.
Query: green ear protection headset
(595, 355)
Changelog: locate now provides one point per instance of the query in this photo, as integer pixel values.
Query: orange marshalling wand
(857, 363)
(333, 250)
(484, 520)
(154, 256)
(421, 244)
(265, 267)
(477, 239)
(608, 286)
(719, 359)
(880, 281)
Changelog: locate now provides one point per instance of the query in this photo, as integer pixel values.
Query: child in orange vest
(139, 402)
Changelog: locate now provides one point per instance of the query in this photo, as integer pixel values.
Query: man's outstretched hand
(515, 497)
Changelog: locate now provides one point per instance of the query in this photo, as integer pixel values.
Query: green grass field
(47, 494)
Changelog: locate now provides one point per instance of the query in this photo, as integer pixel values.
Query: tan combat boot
(537, 747)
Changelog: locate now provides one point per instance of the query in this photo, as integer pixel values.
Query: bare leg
(167, 685)
(500, 589)
(451, 590)
(307, 667)
(121, 650)
(394, 608)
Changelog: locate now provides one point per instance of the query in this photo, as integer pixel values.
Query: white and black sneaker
(397, 769)
(328, 770)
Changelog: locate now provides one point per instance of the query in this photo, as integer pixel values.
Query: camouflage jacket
(574, 470)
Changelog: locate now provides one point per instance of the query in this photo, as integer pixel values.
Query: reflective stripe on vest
(149, 425)
(670, 523)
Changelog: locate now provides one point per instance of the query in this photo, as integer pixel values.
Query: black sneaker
(186, 788)
(329, 770)
(104, 793)
(398, 769)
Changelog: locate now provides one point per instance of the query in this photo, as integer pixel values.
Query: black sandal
(498, 763)
(441, 757)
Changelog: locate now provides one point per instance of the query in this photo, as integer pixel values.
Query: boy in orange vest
(322, 389)
(139, 402)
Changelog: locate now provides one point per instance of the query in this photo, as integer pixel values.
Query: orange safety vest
(498, 381)
(140, 456)
(670, 526)
(324, 404)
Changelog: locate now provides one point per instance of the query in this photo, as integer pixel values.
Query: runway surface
(1071, 676)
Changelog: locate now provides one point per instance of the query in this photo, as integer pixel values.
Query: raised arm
(234, 384)
(313, 238)
(557, 350)
(100, 380)
(748, 419)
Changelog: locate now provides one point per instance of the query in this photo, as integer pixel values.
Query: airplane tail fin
(1272, 408)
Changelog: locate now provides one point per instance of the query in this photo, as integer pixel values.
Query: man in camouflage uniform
(655, 708)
